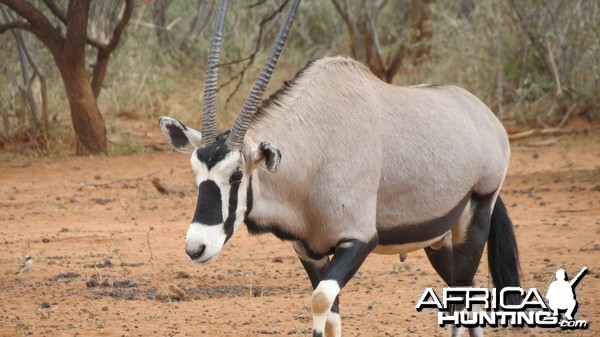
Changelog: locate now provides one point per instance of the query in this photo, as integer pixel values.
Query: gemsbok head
(221, 167)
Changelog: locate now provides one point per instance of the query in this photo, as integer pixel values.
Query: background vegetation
(535, 63)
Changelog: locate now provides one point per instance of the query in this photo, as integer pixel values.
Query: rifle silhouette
(575, 280)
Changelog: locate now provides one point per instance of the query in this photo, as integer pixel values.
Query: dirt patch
(105, 241)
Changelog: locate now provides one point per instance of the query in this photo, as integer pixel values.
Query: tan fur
(359, 154)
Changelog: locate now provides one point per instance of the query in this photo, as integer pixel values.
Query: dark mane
(275, 98)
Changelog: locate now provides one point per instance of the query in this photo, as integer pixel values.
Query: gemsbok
(342, 164)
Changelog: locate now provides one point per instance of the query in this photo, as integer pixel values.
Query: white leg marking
(456, 331)
(333, 326)
(476, 332)
(322, 300)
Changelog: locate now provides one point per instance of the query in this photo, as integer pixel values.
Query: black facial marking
(209, 205)
(423, 231)
(178, 138)
(213, 153)
(233, 202)
(223, 137)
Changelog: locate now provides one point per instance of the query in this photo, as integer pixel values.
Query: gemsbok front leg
(347, 258)
(316, 269)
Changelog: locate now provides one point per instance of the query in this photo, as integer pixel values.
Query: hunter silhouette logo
(479, 307)
(561, 294)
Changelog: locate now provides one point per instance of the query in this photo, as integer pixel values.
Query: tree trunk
(90, 130)
(420, 33)
(160, 21)
(99, 72)
(68, 52)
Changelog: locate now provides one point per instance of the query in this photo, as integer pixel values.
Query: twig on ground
(99, 273)
(151, 259)
(159, 186)
(118, 181)
(546, 132)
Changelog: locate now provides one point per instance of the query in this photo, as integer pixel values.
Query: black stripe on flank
(209, 206)
(423, 231)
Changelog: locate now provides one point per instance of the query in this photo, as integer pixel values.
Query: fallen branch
(118, 181)
(546, 132)
(159, 186)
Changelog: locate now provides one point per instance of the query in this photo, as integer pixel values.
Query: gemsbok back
(342, 164)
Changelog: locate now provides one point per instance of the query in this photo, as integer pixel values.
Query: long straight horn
(209, 122)
(236, 137)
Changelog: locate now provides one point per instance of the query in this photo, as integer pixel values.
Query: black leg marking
(426, 230)
(457, 265)
(315, 274)
(348, 257)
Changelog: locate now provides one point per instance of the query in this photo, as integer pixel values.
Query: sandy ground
(105, 243)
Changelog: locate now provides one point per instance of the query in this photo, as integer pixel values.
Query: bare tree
(562, 40)
(361, 19)
(68, 52)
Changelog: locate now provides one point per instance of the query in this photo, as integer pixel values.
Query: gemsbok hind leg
(458, 259)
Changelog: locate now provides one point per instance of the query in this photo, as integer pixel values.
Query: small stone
(124, 284)
(104, 308)
(91, 283)
(45, 305)
(182, 274)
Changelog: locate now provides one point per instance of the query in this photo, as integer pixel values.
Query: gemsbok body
(342, 164)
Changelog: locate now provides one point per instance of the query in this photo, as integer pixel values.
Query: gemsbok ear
(266, 156)
(181, 138)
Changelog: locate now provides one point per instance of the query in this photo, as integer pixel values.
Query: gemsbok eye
(236, 177)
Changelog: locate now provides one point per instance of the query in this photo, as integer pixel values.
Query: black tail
(503, 254)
